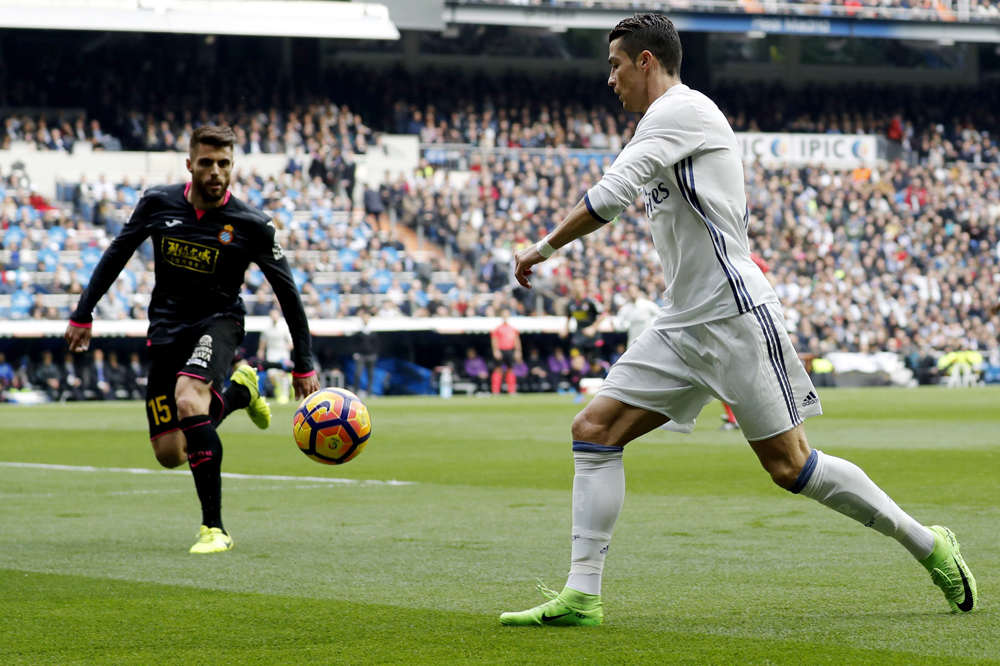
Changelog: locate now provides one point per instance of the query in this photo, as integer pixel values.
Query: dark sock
(235, 397)
(204, 450)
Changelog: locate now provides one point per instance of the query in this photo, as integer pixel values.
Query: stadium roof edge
(819, 26)
(266, 18)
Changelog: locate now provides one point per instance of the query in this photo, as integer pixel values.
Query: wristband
(545, 248)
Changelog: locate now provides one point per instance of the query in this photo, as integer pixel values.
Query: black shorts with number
(205, 353)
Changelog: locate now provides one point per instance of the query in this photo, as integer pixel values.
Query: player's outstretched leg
(845, 488)
(244, 391)
(599, 434)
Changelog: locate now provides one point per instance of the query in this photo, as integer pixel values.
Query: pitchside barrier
(413, 351)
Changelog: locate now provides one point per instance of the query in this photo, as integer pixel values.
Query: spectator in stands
(72, 384)
(538, 371)
(522, 375)
(47, 376)
(559, 366)
(476, 370)
(135, 377)
(6, 376)
(97, 378)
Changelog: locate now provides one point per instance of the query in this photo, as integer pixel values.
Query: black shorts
(507, 358)
(207, 354)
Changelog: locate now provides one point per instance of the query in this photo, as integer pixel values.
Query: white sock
(845, 488)
(598, 495)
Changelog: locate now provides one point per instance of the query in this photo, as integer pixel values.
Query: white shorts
(746, 361)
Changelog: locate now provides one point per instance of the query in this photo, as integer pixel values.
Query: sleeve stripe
(79, 325)
(299, 375)
(590, 209)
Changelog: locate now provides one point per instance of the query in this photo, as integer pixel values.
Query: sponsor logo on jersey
(278, 253)
(202, 354)
(654, 197)
(173, 223)
(226, 235)
(185, 254)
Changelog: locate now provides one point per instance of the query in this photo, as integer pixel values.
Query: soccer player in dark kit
(203, 240)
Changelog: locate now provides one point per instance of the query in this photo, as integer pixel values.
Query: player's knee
(191, 402)
(587, 429)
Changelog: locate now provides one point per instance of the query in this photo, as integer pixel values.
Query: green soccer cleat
(950, 572)
(568, 608)
(212, 540)
(258, 410)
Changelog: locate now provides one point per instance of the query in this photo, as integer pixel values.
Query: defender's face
(211, 168)
(626, 77)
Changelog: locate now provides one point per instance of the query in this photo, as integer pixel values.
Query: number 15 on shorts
(160, 410)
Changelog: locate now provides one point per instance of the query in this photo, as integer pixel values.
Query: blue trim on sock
(595, 448)
(805, 474)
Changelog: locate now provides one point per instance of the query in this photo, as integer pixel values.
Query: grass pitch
(710, 563)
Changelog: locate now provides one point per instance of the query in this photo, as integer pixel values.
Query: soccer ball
(332, 426)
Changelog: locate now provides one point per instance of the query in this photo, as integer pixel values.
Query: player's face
(627, 78)
(211, 168)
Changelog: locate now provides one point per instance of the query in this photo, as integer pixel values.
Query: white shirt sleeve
(664, 137)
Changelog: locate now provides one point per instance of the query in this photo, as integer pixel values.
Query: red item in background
(38, 202)
(506, 337)
(761, 264)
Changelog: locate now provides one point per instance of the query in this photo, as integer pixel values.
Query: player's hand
(497, 355)
(525, 259)
(77, 337)
(305, 386)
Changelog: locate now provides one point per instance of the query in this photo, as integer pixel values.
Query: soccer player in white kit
(720, 333)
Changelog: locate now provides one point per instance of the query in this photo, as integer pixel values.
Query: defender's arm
(115, 257)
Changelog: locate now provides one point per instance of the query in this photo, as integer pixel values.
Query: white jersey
(685, 161)
(278, 341)
(637, 316)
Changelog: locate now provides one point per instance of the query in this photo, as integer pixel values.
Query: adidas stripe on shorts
(746, 361)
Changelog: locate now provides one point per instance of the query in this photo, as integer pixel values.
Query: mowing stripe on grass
(225, 475)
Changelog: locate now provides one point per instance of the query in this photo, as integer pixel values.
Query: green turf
(711, 563)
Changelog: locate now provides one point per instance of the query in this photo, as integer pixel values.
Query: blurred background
(407, 149)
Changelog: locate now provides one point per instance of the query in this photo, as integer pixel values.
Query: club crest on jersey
(226, 235)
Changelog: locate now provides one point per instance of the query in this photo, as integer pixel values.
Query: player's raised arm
(115, 257)
(274, 265)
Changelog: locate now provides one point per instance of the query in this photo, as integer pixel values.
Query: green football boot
(258, 410)
(950, 572)
(568, 608)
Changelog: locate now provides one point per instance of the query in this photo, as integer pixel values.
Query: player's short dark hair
(650, 32)
(220, 136)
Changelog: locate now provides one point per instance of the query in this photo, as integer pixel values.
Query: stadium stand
(900, 258)
(899, 10)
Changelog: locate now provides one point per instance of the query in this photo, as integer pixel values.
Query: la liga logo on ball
(332, 426)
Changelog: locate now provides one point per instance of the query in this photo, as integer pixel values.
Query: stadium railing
(839, 151)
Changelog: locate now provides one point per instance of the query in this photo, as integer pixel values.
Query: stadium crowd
(899, 259)
(923, 10)
(527, 112)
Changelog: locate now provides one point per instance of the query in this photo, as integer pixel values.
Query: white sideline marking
(225, 475)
